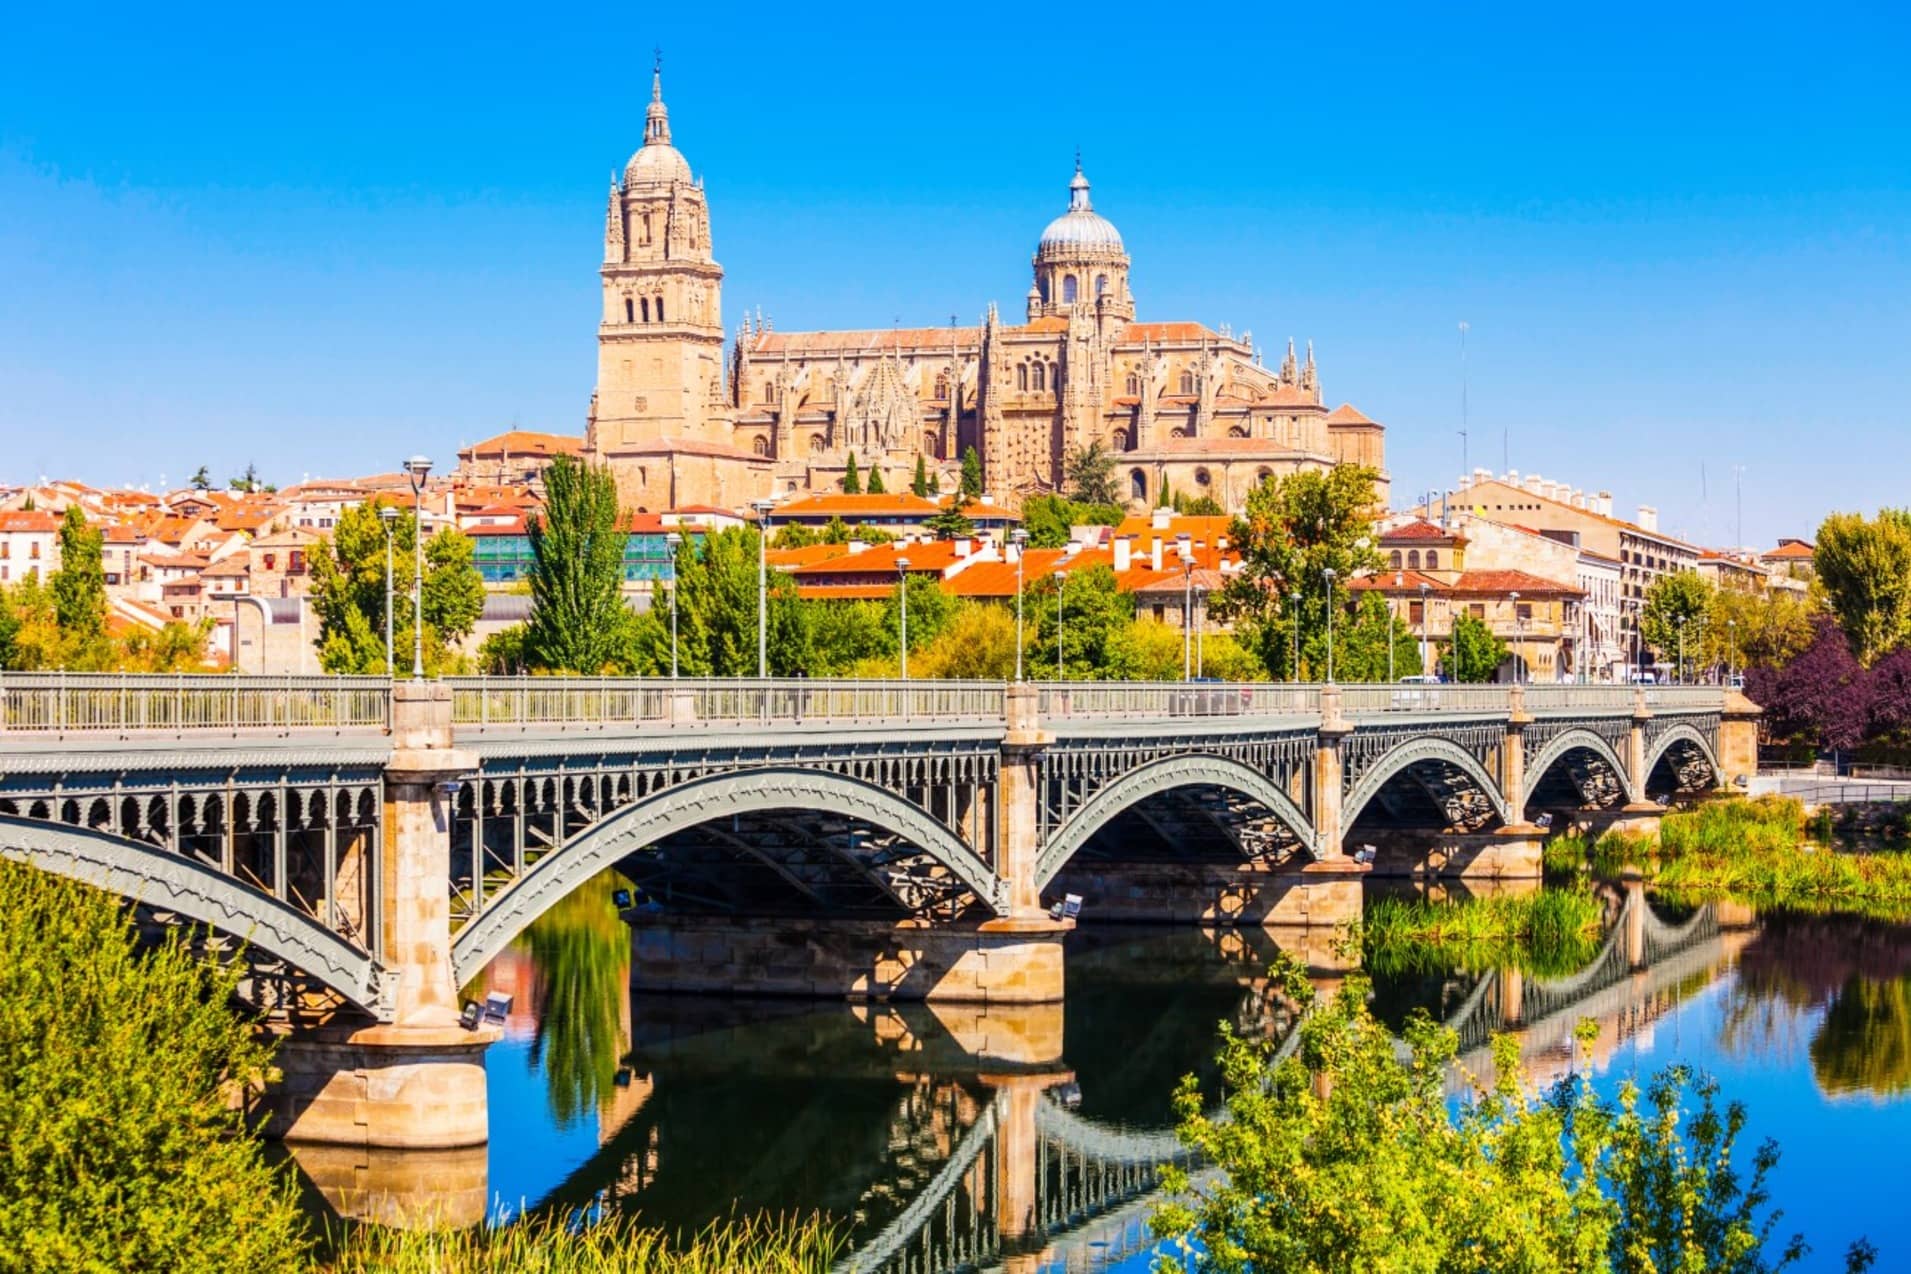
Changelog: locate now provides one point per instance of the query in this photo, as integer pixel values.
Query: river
(1027, 1138)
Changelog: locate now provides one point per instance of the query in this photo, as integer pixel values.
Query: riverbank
(1547, 932)
(613, 1244)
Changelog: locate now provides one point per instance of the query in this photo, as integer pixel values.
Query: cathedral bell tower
(1080, 260)
(660, 341)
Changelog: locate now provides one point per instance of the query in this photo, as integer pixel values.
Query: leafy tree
(1344, 1157)
(1095, 614)
(1222, 655)
(1200, 506)
(348, 593)
(123, 1148)
(949, 522)
(79, 586)
(797, 535)
(971, 488)
(852, 481)
(502, 654)
(1293, 531)
(176, 647)
(1674, 604)
(846, 634)
(1747, 629)
(577, 570)
(977, 643)
(919, 486)
(1823, 695)
(935, 483)
(247, 481)
(1090, 475)
(36, 636)
(1048, 519)
(929, 611)
(876, 486)
(1473, 653)
(9, 632)
(201, 479)
(1865, 566)
(837, 531)
(1361, 639)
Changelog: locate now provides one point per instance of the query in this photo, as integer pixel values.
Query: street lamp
(416, 469)
(1294, 611)
(1731, 650)
(387, 514)
(762, 508)
(902, 591)
(1328, 574)
(1423, 628)
(1061, 673)
(1680, 624)
(1201, 631)
(1019, 538)
(1519, 637)
(1185, 547)
(673, 539)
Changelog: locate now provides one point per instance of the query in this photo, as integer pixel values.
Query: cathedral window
(646, 305)
(630, 310)
(1433, 560)
(1068, 289)
(1038, 376)
(1413, 560)
(817, 445)
(769, 390)
(1134, 385)
(1187, 382)
(942, 387)
(929, 444)
(760, 445)
(1393, 559)
(1101, 284)
(1021, 376)
(660, 309)
(1201, 478)
(1118, 441)
(1137, 485)
(1236, 431)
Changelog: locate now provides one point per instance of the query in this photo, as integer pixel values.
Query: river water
(1026, 1139)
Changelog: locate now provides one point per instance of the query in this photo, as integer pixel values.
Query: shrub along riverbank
(1753, 850)
(1553, 931)
(612, 1245)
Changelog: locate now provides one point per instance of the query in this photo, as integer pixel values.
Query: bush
(119, 1149)
(613, 1245)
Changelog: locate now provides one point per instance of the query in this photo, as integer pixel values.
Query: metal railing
(81, 702)
(1688, 697)
(1366, 697)
(1560, 698)
(687, 701)
(1174, 699)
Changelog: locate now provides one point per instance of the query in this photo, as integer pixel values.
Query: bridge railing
(76, 702)
(1545, 698)
(1365, 697)
(1057, 699)
(693, 701)
(1687, 697)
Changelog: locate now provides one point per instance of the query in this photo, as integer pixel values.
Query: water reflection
(581, 951)
(1842, 988)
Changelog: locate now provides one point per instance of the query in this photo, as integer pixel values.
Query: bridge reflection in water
(943, 1137)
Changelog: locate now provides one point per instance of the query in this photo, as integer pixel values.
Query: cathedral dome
(657, 162)
(1081, 226)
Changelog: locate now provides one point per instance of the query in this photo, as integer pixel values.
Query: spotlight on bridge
(1067, 909)
(450, 788)
(497, 1006)
(1365, 854)
(472, 1015)
(1069, 1094)
(1543, 822)
(620, 899)
(621, 1078)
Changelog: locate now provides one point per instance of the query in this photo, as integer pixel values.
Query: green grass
(1552, 931)
(613, 1245)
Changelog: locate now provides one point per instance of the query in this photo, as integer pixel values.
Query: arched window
(929, 443)
(1433, 560)
(1393, 559)
(1042, 285)
(942, 387)
(1118, 440)
(1236, 431)
(1038, 376)
(1134, 385)
(646, 305)
(1413, 560)
(1137, 485)
(817, 445)
(630, 310)
(1187, 382)
(1201, 478)
(1068, 289)
(1101, 284)
(660, 309)
(760, 445)
(1021, 376)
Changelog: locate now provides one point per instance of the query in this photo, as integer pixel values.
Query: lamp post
(1328, 574)
(1061, 673)
(1294, 606)
(1185, 547)
(673, 539)
(1731, 650)
(1681, 669)
(902, 593)
(1519, 637)
(416, 469)
(387, 514)
(1019, 538)
(762, 508)
(1201, 631)
(1424, 587)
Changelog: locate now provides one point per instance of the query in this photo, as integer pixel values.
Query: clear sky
(321, 239)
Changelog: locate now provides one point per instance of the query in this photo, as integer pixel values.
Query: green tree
(1166, 498)
(577, 569)
(201, 479)
(797, 535)
(1048, 519)
(176, 647)
(929, 611)
(1090, 474)
(1343, 1157)
(1094, 617)
(949, 522)
(971, 488)
(919, 486)
(1361, 638)
(348, 593)
(876, 486)
(1473, 653)
(1865, 566)
(9, 631)
(1750, 629)
(977, 643)
(1200, 506)
(123, 1148)
(1674, 604)
(79, 586)
(717, 604)
(852, 481)
(247, 481)
(1295, 530)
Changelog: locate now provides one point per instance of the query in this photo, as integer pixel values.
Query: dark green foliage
(876, 486)
(1473, 653)
(949, 522)
(1095, 616)
(348, 593)
(919, 485)
(79, 586)
(577, 576)
(852, 480)
(971, 488)
(1048, 518)
(201, 479)
(1089, 472)
(118, 1147)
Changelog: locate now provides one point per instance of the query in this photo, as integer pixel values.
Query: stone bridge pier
(417, 1081)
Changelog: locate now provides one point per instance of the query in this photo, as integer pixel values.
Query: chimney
(1071, 548)
(1648, 517)
(1159, 519)
(1124, 553)
(1013, 553)
(1154, 555)
(856, 546)
(963, 547)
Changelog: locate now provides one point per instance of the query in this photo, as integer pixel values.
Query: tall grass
(1552, 931)
(1765, 824)
(615, 1244)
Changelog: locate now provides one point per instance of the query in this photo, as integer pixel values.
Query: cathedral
(687, 414)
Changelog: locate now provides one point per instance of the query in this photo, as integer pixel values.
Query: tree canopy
(1676, 604)
(1048, 519)
(1865, 566)
(1089, 472)
(348, 593)
(971, 487)
(577, 574)
(852, 478)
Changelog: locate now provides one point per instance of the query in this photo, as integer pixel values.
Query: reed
(1552, 931)
(613, 1244)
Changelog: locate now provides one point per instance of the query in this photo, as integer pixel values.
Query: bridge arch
(180, 884)
(1556, 750)
(1680, 733)
(1396, 762)
(688, 805)
(1189, 770)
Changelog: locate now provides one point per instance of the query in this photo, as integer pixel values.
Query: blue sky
(322, 239)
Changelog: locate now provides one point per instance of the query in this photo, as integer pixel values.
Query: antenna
(1738, 504)
(1465, 464)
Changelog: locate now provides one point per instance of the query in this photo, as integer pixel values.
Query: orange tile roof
(809, 554)
(28, 520)
(1345, 414)
(524, 442)
(851, 507)
(1797, 549)
(844, 592)
(1169, 332)
(1421, 529)
(1202, 528)
(880, 559)
(1292, 396)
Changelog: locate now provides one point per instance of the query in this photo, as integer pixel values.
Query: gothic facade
(687, 416)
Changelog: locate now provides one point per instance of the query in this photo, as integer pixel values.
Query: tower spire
(657, 117)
